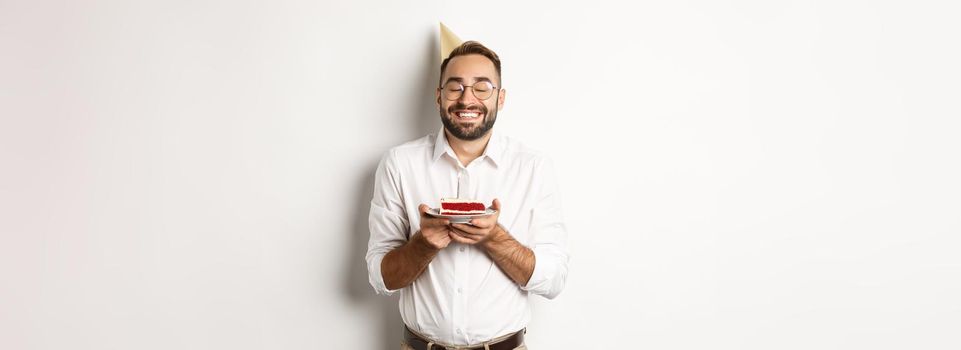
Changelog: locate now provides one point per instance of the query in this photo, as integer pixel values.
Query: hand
(480, 229)
(436, 231)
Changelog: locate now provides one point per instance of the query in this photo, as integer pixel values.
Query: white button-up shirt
(463, 297)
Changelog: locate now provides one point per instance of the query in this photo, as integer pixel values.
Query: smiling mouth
(468, 115)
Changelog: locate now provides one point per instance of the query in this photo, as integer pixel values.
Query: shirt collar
(441, 146)
(494, 150)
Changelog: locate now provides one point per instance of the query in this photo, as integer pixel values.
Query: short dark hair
(472, 48)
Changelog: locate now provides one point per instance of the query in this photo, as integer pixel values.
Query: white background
(736, 175)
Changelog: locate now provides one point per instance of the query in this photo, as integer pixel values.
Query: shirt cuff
(549, 275)
(376, 277)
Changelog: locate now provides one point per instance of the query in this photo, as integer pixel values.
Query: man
(466, 285)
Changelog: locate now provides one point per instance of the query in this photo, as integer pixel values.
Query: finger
(467, 229)
(427, 220)
(463, 228)
(457, 237)
(461, 233)
(434, 222)
(497, 204)
(482, 223)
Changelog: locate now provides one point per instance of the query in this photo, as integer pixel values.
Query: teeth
(467, 115)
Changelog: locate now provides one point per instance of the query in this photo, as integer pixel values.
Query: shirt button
(462, 249)
(460, 290)
(458, 331)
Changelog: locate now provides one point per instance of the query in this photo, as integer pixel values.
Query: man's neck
(467, 151)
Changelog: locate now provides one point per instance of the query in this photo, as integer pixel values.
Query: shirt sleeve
(388, 221)
(549, 237)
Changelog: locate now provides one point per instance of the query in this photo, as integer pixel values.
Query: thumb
(496, 205)
(423, 208)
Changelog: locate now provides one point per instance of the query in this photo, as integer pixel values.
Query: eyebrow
(461, 80)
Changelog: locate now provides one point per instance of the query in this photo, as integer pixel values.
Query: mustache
(476, 108)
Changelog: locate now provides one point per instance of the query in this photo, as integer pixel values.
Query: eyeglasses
(482, 90)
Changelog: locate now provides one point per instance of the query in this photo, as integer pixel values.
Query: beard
(468, 133)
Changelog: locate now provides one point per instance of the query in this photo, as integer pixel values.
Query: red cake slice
(457, 206)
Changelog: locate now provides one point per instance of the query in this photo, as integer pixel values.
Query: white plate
(458, 219)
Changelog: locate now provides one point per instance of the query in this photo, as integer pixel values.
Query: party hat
(448, 41)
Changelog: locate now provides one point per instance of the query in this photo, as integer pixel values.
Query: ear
(500, 99)
(437, 96)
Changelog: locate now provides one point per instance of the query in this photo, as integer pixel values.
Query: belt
(418, 343)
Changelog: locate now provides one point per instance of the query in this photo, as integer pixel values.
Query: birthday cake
(457, 206)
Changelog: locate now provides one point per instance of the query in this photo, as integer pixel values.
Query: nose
(467, 96)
